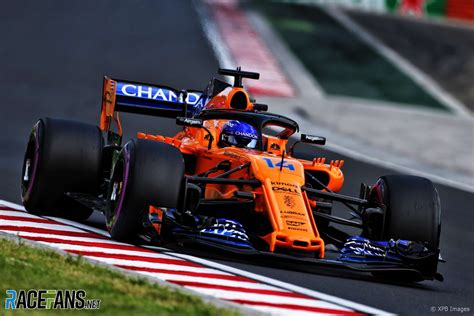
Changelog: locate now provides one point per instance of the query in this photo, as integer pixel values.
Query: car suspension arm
(335, 197)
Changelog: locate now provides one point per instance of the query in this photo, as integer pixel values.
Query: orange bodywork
(107, 113)
(279, 198)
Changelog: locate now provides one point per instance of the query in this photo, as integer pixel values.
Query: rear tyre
(61, 156)
(146, 173)
(413, 212)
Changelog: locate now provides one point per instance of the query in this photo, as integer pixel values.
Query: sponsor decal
(289, 201)
(293, 213)
(294, 223)
(313, 139)
(284, 184)
(189, 121)
(279, 164)
(297, 228)
(245, 134)
(293, 217)
(49, 299)
(158, 94)
(285, 190)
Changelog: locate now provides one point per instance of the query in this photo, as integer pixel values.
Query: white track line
(213, 35)
(12, 205)
(81, 226)
(282, 311)
(17, 213)
(423, 80)
(399, 168)
(55, 227)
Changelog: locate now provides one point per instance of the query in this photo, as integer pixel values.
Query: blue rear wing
(142, 98)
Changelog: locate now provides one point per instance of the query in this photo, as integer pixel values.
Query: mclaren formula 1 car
(228, 180)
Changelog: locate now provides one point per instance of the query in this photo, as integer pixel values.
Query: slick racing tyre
(413, 210)
(61, 156)
(146, 173)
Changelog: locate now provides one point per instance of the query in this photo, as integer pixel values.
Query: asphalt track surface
(53, 57)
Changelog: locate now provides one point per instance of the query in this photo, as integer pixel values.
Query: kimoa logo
(155, 93)
(284, 183)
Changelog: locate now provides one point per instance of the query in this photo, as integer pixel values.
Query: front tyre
(413, 209)
(412, 212)
(146, 173)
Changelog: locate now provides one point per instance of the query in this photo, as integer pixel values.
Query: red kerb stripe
(135, 258)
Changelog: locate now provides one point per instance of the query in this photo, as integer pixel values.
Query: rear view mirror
(195, 122)
(308, 139)
(312, 139)
(187, 121)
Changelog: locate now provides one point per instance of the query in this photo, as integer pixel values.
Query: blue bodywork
(222, 231)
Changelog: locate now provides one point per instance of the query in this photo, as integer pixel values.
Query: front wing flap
(419, 271)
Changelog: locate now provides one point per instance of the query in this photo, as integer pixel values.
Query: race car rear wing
(141, 98)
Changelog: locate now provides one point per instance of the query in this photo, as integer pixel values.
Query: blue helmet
(236, 133)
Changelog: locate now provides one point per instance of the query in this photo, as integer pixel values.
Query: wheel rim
(116, 192)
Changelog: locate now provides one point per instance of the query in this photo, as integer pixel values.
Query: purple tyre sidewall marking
(35, 161)
(124, 187)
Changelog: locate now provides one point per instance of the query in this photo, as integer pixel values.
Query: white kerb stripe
(12, 205)
(18, 214)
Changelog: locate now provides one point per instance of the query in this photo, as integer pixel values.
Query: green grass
(340, 62)
(24, 267)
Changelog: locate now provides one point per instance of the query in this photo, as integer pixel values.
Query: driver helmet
(239, 134)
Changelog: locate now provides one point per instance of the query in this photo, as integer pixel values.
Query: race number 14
(283, 164)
